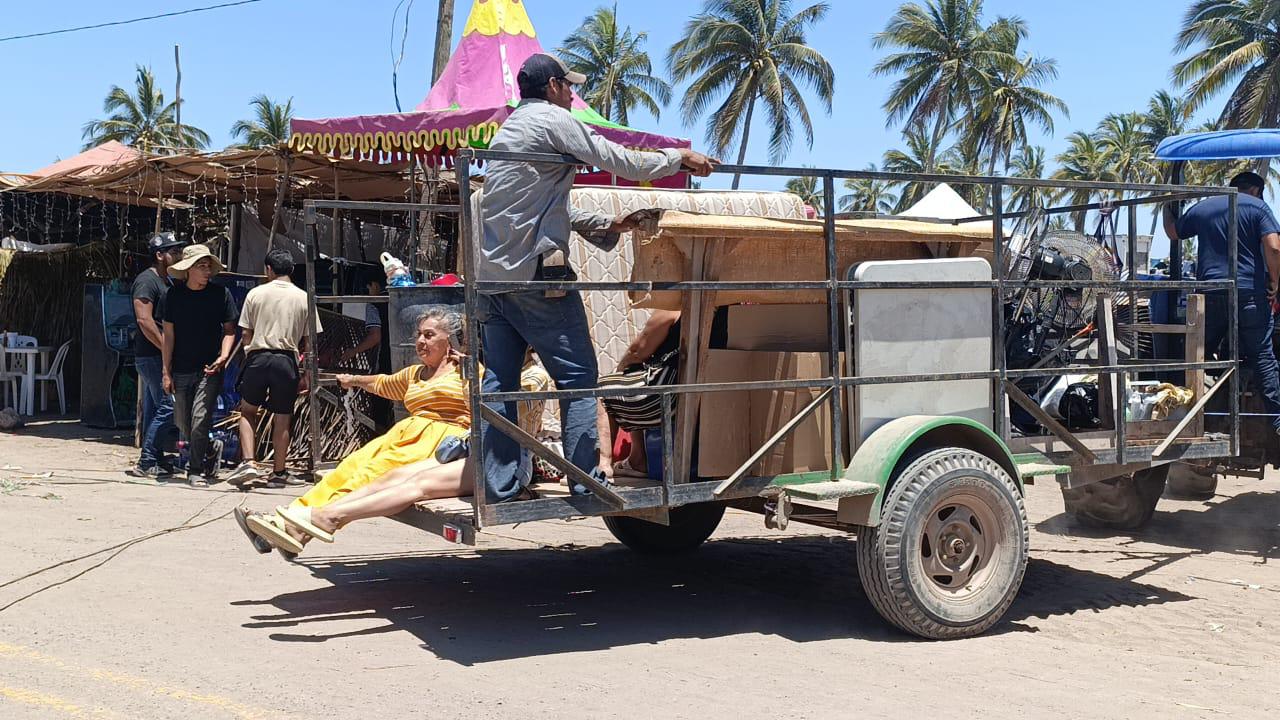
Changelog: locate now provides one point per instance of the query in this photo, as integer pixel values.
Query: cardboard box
(791, 327)
(734, 424)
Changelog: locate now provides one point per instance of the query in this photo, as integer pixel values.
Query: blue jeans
(1254, 323)
(157, 410)
(557, 330)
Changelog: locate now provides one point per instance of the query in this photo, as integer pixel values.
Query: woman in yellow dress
(435, 395)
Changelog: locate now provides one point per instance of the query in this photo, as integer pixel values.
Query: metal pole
(997, 310)
(833, 325)
(413, 219)
(470, 263)
(312, 356)
(1122, 379)
(1233, 320)
(668, 447)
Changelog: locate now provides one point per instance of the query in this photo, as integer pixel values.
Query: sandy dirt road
(557, 619)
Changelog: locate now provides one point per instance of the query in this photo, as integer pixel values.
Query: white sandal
(263, 527)
(301, 520)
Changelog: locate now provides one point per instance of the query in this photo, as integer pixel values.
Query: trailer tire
(1120, 503)
(1190, 482)
(948, 556)
(690, 526)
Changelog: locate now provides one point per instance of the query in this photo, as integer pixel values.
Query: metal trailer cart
(935, 498)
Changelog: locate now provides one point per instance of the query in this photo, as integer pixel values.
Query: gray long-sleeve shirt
(524, 208)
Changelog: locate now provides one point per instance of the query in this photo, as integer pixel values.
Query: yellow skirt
(408, 441)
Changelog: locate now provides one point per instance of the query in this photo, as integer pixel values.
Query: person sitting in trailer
(659, 337)
(435, 395)
(445, 475)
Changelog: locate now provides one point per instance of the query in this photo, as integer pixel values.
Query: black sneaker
(151, 472)
(280, 479)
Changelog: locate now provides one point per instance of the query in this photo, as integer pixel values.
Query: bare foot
(322, 520)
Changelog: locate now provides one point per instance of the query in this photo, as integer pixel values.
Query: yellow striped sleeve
(394, 387)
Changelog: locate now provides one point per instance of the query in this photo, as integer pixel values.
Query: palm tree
(1028, 164)
(1126, 148)
(269, 126)
(619, 73)
(142, 120)
(943, 50)
(921, 156)
(1166, 116)
(809, 189)
(751, 50)
(1009, 99)
(1083, 159)
(867, 195)
(1238, 51)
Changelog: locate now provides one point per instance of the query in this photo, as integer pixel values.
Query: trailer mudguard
(899, 441)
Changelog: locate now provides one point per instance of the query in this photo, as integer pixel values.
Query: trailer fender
(898, 442)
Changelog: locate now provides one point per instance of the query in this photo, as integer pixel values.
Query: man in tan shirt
(274, 327)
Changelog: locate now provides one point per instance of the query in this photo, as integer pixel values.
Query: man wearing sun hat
(199, 336)
(526, 221)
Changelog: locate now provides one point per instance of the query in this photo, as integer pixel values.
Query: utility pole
(177, 95)
(444, 39)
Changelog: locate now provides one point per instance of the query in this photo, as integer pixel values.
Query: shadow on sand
(70, 428)
(1242, 524)
(476, 607)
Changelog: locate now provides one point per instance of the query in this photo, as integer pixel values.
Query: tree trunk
(939, 132)
(444, 39)
(746, 132)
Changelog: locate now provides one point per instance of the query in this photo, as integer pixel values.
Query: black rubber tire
(1120, 503)
(1188, 482)
(690, 526)
(890, 556)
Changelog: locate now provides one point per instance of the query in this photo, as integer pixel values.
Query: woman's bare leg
(440, 481)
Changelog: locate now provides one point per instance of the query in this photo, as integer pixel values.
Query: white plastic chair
(54, 375)
(9, 380)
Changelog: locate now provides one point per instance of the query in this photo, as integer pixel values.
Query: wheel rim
(960, 544)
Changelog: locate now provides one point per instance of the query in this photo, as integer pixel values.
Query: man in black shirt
(157, 405)
(199, 336)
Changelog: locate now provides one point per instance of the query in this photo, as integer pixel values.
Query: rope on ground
(115, 550)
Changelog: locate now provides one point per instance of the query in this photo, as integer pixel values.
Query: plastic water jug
(397, 274)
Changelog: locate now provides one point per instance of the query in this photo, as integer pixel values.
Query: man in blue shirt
(1257, 276)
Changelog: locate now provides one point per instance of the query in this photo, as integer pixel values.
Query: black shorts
(269, 379)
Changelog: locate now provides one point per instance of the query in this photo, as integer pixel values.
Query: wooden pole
(177, 99)
(282, 186)
(444, 39)
(233, 233)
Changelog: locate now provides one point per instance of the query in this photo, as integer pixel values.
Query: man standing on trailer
(526, 221)
(1257, 277)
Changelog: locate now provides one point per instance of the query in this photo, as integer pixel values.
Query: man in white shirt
(273, 327)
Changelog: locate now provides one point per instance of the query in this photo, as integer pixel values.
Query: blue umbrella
(1221, 145)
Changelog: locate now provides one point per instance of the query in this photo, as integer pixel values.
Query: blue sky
(334, 59)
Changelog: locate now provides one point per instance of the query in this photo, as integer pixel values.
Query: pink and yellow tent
(474, 95)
